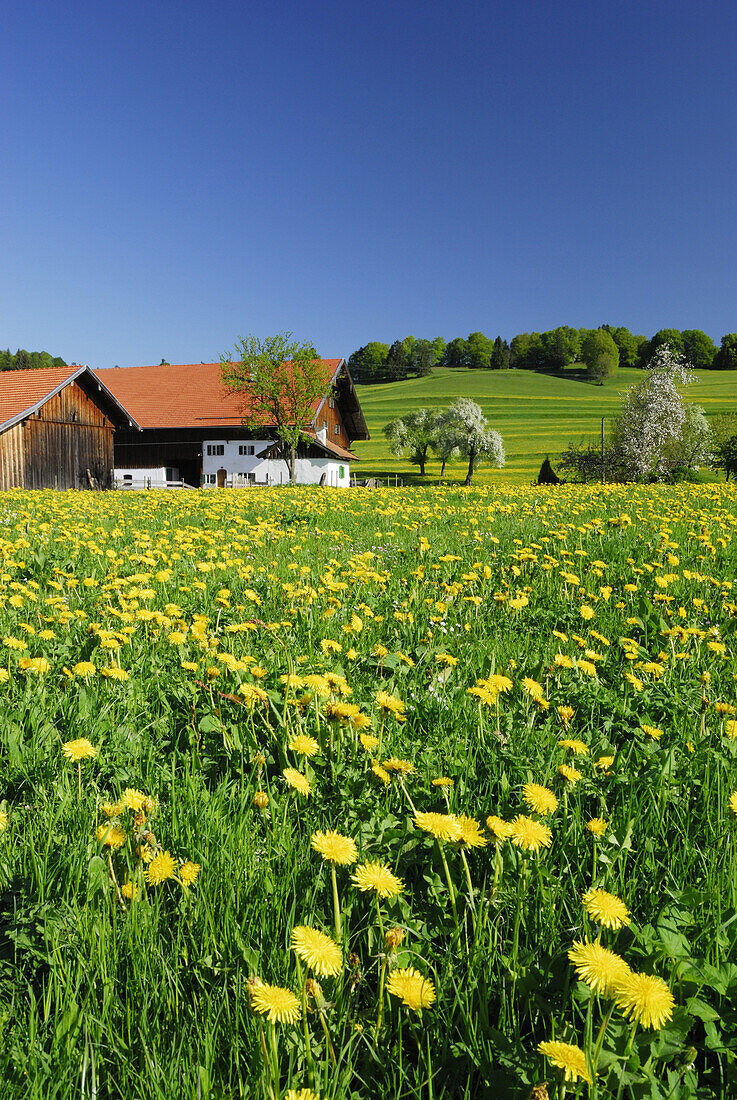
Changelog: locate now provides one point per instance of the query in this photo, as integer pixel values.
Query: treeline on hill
(28, 360)
(599, 350)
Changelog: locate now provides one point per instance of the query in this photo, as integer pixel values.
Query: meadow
(369, 794)
(536, 415)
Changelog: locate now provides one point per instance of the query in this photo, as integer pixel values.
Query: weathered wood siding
(55, 447)
(331, 419)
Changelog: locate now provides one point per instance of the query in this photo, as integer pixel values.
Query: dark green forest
(28, 360)
(599, 351)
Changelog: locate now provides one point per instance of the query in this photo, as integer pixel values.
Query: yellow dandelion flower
(530, 835)
(393, 938)
(130, 890)
(377, 877)
(441, 826)
(403, 767)
(300, 1094)
(471, 834)
(586, 612)
(578, 748)
(114, 673)
(597, 825)
(160, 868)
(499, 828)
(604, 763)
(730, 728)
(602, 970)
(645, 999)
(4, 820)
(84, 668)
(280, 1006)
(413, 989)
(571, 774)
(651, 731)
(389, 704)
(539, 798)
(571, 1059)
(443, 781)
(368, 741)
(606, 909)
(297, 781)
(189, 871)
(111, 835)
(318, 951)
(733, 802)
(78, 750)
(565, 714)
(261, 800)
(381, 773)
(304, 745)
(335, 848)
(133, 800)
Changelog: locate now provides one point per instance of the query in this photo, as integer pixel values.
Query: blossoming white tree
(649, 431)
(464, 430)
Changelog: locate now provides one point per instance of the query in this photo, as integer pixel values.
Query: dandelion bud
(261, 800)
(393, 938)
(314, 989)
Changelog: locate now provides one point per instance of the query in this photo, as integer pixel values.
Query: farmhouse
(192, 430)
(56, 429)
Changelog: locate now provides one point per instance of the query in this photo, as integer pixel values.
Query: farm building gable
(56, 429)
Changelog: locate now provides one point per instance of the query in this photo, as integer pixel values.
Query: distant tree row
(600, 350)
(28, 360)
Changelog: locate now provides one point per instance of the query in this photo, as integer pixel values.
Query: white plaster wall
(269, 470)
(156, 475)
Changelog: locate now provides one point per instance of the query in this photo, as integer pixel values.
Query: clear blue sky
(176, 173)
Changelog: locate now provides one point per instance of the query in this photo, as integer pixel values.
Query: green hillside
(536, 414)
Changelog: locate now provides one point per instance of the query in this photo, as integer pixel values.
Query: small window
(246, 449)
(209, 479)
(341, 472)
(331, 402)
(216, 448)
(337, 429)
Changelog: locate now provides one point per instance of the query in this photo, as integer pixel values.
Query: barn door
(222, 474)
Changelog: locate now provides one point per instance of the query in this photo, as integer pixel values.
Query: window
(208, 479)
(337, 429)
(246, 449)
(331, 402)
(341, 472)
(216, 448)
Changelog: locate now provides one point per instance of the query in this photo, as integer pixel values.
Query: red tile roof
(23, 389)
(22, 392)
(181, 395)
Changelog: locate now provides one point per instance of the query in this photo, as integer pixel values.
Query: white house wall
(268, 471)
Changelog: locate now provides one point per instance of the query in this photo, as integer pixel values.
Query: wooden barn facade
(56, 429)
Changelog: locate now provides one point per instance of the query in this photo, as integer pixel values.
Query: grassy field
(369, 795)
(536, 414)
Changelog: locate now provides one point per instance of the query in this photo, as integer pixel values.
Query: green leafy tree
(478, 351)
(672, 337)
(420, 356)
(599, 353)
(397, 367)
(500, 355)
(698, 348)
(455, 355)
(279, 381)
(560, 346)
(628, 345)
(526, 351)
(463, 429)
(368, 364)
(412, 435)
(438, 349)
(724, 433)
(726, 357)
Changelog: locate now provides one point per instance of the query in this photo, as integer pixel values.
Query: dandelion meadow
(369, 794)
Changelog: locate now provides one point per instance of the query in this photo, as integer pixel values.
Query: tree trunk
(442, 468)
(291, 460)
(471, 459)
